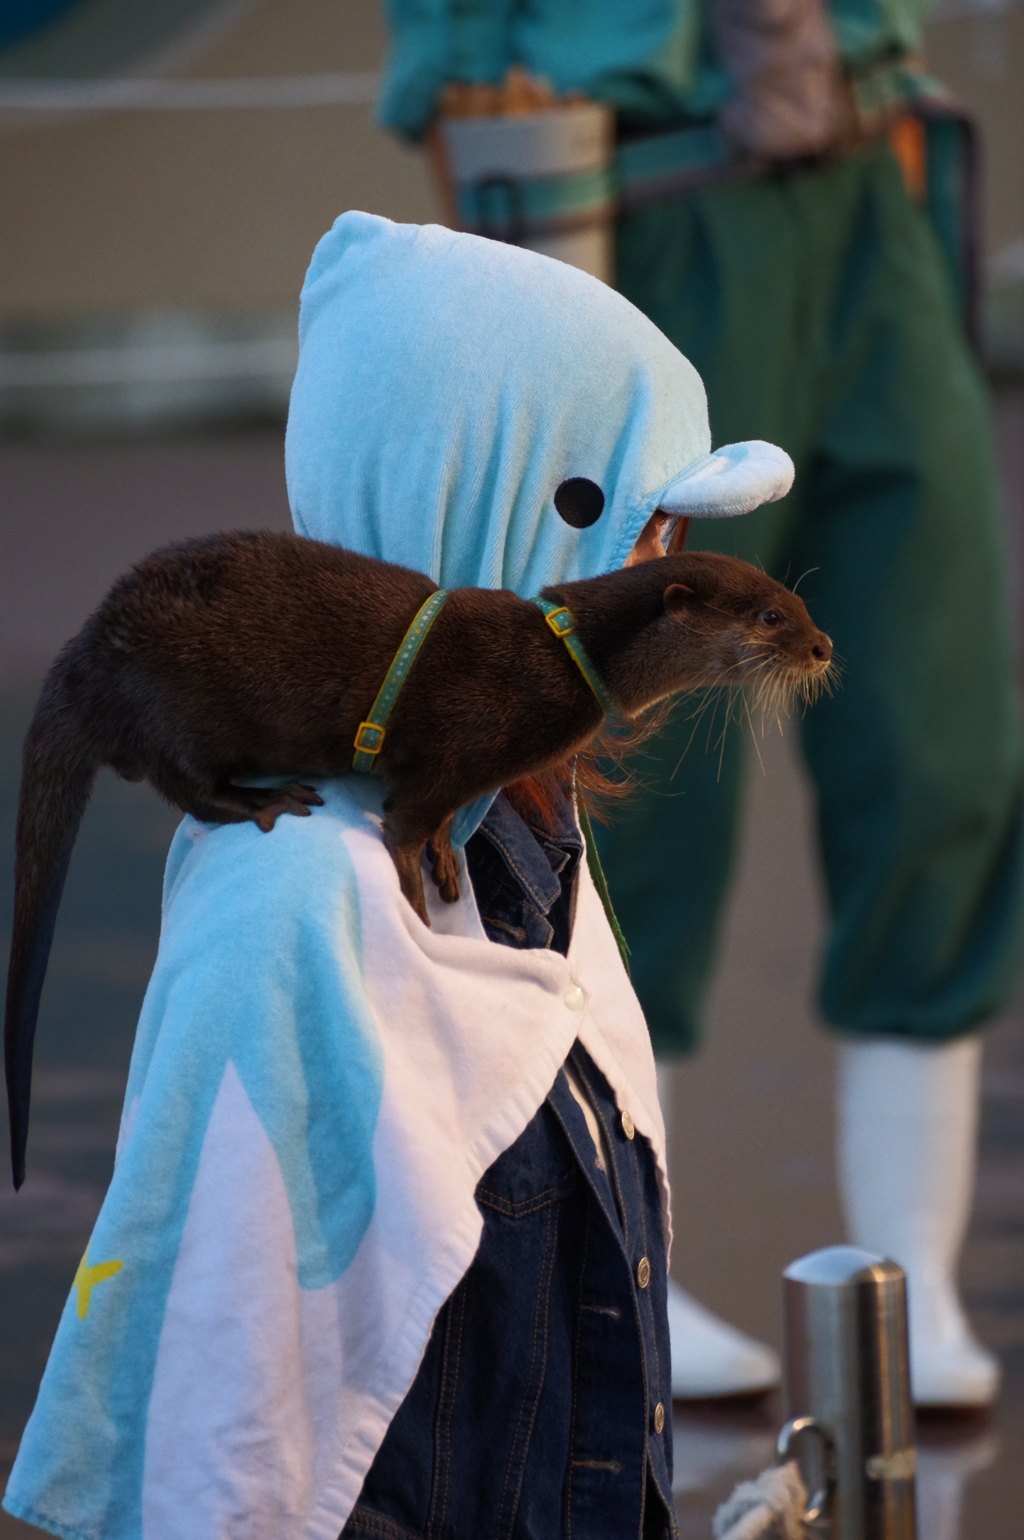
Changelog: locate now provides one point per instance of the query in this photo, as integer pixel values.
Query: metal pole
(847, 1384)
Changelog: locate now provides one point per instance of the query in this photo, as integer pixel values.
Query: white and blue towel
(315, 1091)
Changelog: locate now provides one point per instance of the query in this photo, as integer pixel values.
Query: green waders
(817, 308)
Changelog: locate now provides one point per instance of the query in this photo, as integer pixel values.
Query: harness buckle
(561, 622)
(374, 743)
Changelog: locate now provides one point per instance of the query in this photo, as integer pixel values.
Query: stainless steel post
(848, 1388)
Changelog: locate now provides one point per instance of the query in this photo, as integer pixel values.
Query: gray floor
(752, 1148)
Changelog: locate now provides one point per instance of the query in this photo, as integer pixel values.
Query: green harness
(371, 733)
(370, 736)
(563, 624)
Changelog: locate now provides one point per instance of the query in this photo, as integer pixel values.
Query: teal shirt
(650, 59)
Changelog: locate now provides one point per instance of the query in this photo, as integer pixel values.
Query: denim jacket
(542, 1407)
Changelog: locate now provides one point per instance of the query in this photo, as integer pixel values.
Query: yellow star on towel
(87, 1277)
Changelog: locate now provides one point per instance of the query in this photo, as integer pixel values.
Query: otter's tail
(58, 770)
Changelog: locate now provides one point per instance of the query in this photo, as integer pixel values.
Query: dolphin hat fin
(734, 479)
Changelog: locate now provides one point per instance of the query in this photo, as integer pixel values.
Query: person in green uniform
(768, 229)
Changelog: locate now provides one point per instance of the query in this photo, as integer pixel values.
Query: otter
(248, 655)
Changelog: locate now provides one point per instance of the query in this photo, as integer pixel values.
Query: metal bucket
(847, 1378)
(538, 179)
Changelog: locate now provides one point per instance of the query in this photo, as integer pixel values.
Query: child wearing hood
(385, 1250)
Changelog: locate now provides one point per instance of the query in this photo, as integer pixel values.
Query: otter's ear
(678, 598)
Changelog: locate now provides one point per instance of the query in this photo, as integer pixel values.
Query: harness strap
(563, 624)
(369, 739)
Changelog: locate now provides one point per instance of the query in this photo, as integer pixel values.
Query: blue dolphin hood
(448, 384)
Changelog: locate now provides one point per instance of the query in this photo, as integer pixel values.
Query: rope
(770, 1508)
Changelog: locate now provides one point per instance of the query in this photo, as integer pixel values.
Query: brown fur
(248, 655)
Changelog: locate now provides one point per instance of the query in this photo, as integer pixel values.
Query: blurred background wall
(151, 258)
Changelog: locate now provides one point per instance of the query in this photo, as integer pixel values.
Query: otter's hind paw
(407, 864)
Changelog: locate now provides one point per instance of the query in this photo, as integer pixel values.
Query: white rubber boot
(712, 1358)
(709, 1357)
(907, 1130)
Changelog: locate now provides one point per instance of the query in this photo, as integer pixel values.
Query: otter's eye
(770, 617)
(579, 501)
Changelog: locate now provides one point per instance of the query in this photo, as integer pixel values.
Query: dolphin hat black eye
(579, 502)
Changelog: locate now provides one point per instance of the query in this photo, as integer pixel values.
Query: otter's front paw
(444, 865)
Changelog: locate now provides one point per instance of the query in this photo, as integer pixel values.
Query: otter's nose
(822, 649)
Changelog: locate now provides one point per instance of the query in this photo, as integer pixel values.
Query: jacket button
(574, 998)
(628, 1127)
(643, 1272)
(659, 1417)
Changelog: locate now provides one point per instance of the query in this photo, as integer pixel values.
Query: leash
(600, 881)
(370, 736)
